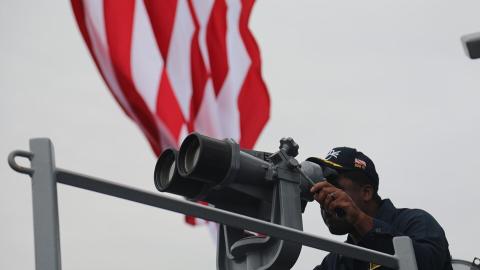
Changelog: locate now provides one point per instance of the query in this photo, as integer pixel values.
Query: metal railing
(45, 175)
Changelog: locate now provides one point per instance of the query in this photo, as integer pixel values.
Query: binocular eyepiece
(205, 159)
(168, 179)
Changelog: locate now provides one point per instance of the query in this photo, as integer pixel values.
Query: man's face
(336, 225)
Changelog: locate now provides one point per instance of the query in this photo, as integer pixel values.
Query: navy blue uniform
(428, 237)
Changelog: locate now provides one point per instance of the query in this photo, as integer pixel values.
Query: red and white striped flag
(177, 66)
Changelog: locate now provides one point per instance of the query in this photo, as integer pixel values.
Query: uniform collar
(386, 211)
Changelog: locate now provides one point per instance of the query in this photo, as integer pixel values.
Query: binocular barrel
(167, 178)
(204, 167)
(219, 162)
(204, 159)
(210, 169)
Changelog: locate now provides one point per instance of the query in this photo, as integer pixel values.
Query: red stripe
(79, 13)
(199, 81)
(118, 26)
(193, 220)
(199, 71)
(253, 100)
(217, 44)
(162, 18)
(168, 108)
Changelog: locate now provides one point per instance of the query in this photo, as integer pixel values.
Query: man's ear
(367, 193)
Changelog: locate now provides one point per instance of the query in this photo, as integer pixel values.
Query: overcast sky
(387, 77)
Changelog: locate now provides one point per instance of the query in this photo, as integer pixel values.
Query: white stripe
(208, 117)
(213, 229)
(183, 133)
(95, 24)
(178, 61)
(203, 8)
(238, 63)
(146, 61)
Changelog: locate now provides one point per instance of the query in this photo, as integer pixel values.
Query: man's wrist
(363, 224)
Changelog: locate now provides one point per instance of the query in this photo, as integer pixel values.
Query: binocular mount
(273, 187)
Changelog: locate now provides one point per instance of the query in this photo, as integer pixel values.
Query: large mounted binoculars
(273, 187)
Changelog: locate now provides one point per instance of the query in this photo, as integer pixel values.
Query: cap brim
(328, 163)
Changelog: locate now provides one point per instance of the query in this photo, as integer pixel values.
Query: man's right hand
(332, 198)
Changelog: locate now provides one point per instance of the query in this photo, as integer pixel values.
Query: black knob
(290, 146)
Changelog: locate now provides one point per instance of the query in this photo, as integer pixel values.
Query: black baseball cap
(345, 159)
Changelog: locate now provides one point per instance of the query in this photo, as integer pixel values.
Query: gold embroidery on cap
(332, 163)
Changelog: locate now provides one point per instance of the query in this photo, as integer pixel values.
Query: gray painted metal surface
(46, 224)
(404, 252)
(44, 199)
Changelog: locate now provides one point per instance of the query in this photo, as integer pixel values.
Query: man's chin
(339, 227)
(338, 231)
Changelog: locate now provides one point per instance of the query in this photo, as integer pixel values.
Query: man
(370, 221)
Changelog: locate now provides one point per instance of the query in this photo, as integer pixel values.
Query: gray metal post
(404, 253)
(45, 208)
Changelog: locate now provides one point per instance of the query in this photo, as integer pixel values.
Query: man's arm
(429, 241)
(328, 263)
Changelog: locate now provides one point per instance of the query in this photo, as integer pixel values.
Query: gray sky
(387, 77)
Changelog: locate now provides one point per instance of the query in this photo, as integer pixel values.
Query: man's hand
(331, 198)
